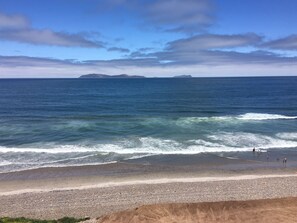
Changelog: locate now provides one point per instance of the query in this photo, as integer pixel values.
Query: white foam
(74, 124)
(58, 149)
(5, 163)
(56, 165)
(287, 135)
(68, 159)
(219, 142)
(188, 122)
(138, 157)
(249, 140)
(260, 116)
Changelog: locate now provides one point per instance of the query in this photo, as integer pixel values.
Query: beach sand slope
(268, 210)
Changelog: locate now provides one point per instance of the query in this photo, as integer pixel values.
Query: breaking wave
(135, 148)
(188, 122)
(260, 116)
(244, 117)
(219, 142)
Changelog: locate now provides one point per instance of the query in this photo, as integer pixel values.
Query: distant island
(110, 76)
(183, 76)
(125, 76)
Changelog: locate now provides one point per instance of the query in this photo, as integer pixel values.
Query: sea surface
(65, 122)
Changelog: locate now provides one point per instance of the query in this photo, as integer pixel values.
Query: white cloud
(48, 37)
(17, 28)
(213, 41)
(187, 16)
(119, 49)
(286, 43)
(13, 22)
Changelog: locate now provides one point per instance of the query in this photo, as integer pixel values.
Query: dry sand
(271, 211)
(98, 201)
(51, 193)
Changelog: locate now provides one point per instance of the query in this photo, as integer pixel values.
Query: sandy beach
(272, 210)
(95, 191)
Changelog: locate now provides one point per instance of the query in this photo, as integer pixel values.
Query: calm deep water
(58, 122)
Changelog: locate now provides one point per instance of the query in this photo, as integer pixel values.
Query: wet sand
(63, 178)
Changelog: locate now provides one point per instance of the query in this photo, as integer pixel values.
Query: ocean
(67, 122)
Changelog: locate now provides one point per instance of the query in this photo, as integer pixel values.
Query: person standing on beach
(285, 162)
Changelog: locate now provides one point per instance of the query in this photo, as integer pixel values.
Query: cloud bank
(214, 41)
(13, 21)
(286, 43)
(205, 63)
(17, 28)
(119, 49)
(188, 16)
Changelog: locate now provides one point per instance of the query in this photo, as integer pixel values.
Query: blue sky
(67, 38)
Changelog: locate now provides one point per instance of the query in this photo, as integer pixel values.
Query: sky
(154, 38)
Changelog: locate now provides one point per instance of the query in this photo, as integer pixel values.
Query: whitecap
(220, 141)
(260, 116)
(287, 135)
(5, 163)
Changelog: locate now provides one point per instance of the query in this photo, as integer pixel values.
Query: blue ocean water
(58, 122)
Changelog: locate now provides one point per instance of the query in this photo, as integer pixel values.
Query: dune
(266, 210)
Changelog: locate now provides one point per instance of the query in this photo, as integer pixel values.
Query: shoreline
(123, 173)
(206, 160)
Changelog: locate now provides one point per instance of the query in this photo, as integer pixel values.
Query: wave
(243, 117)
(50, 150)
(287, 135)
(218, 142)
(260, 116)
(48, 155)
(133, 124)
(5, 163)
(250, 140)
(188, 122)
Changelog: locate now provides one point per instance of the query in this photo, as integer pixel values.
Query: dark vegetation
(27, 220)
